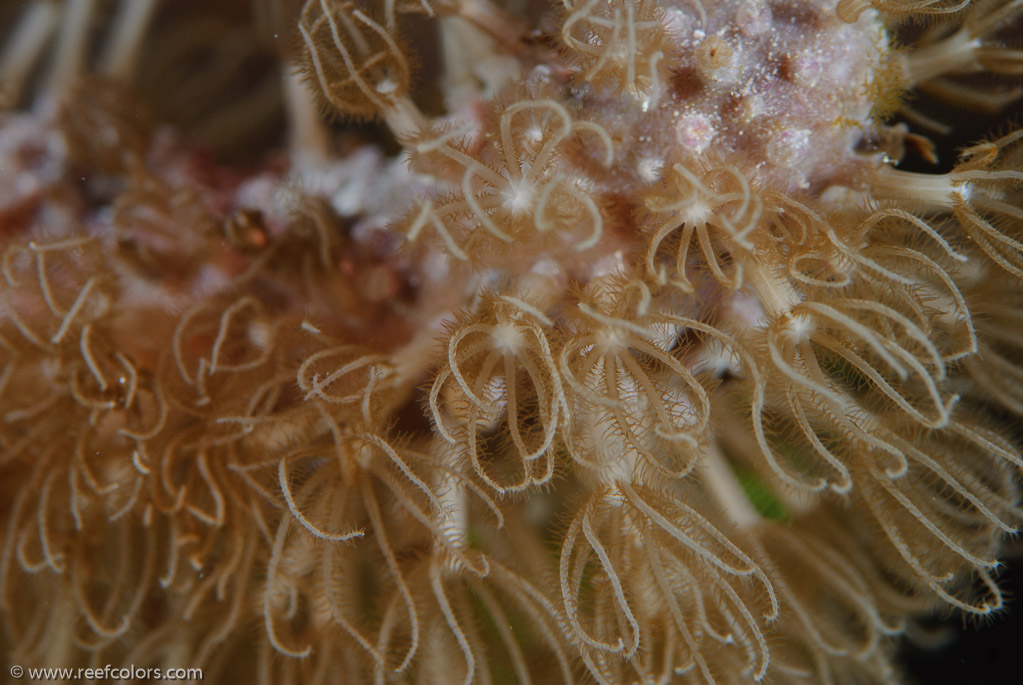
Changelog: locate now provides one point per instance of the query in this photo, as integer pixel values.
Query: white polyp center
(609, 339)
(650, 169)
(532, 136)
(695, 132)
(799, 328)
(519, 197)
(386, 85)
(696, 213)
(507, 338)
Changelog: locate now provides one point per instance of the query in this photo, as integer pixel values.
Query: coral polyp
(601, 342)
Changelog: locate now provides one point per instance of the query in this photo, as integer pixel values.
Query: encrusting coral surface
(619, 350)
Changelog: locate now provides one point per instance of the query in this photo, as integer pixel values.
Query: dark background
(985, 654)
(985, 651)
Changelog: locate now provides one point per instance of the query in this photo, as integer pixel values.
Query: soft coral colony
(641, 362)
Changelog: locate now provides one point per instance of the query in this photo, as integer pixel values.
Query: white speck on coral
(753, 19)
(695, 132)
(807, 69)
(787, 147)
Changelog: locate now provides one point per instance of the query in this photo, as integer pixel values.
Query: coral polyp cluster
(635, 358)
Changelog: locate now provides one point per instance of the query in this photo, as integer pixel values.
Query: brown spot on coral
(802, 14)
(782, 65)
(685, 83)
(619, 212)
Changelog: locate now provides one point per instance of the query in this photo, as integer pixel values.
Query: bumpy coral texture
(619, 349)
